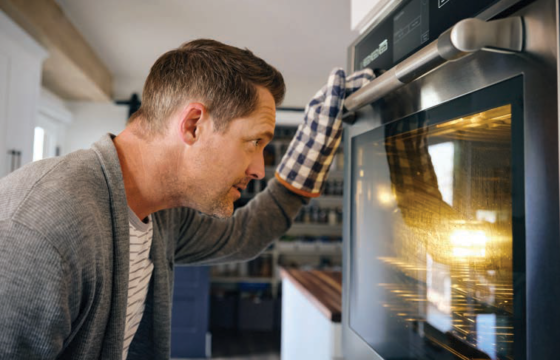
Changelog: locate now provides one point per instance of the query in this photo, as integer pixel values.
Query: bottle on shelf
(269, 155)
(314, 214)
(333, 188)
(333, 217)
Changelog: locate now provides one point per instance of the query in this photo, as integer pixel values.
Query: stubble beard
(198, 196)
(209, 202)
(220, 206)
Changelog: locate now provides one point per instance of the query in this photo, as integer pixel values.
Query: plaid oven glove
(305, 165)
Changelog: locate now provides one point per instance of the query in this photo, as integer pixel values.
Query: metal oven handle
(466, 37)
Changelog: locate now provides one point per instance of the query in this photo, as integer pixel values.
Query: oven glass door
(437, 269)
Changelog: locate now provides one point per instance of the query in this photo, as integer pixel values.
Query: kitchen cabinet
(3, 106)
(311, 314)
(20, 84)
(189, 322)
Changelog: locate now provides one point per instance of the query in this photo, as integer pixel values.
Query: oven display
(432, 243)
(411, 28)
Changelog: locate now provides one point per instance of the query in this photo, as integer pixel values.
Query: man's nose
(256, 167)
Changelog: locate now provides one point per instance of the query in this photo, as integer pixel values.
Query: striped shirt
(140, 272)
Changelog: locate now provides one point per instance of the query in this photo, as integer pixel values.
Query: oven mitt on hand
(305, 165)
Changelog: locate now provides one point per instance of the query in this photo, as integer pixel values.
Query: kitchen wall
(365, 12)
(91, 121)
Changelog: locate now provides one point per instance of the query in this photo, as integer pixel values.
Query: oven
(451, 199)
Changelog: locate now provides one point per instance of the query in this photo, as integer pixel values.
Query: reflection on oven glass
(442, 263)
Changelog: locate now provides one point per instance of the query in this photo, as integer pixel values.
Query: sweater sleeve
(34, 313)
(206, 240)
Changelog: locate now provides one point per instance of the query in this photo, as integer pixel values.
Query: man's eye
(257, 142)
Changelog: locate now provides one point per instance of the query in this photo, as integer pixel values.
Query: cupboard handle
(12, 159)
(15, 159)
(18, 159)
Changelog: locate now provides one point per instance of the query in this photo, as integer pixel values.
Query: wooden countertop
(322, 288)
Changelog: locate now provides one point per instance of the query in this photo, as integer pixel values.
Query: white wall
(53, 105)
(365, 12)
(55, 117)
(91, 121)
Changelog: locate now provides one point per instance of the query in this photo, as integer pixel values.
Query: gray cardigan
(64, 252)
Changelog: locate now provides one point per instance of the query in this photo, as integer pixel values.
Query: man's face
(226, 161)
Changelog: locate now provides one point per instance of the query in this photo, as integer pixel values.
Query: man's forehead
(253, 125)
(264, 127)
(265, 116)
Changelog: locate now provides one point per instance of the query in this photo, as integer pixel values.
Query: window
(39, 143)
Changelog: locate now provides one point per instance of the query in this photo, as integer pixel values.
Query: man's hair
(222, 77)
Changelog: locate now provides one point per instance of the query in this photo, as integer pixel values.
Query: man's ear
(190, 121)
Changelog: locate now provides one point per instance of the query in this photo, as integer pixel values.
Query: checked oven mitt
(305, 165)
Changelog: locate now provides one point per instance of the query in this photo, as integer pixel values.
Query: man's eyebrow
(267, 134)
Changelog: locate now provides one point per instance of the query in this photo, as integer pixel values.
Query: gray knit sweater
(64, 251)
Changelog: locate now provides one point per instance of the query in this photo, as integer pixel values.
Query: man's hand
(306, 164)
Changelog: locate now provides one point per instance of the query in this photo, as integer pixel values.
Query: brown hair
(222, 77)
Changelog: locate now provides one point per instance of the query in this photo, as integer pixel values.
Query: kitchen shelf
(304, 253)
(329, 201)
(315, 230)
(241, 279)
(307, 248)
(335, 175)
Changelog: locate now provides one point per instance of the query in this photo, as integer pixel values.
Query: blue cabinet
(189, 324)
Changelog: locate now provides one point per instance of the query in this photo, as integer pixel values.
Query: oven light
(469, 243)
(385, 196)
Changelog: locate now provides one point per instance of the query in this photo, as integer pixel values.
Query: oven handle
(466, 37)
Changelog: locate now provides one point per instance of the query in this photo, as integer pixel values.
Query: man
(89, 240)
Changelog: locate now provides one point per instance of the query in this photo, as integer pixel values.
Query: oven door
(451, 227)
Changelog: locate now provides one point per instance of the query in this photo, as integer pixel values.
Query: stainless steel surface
(538, 65)
(419, 64)
(373, 91)
(498, 8)
(467, 36)
(504, 35)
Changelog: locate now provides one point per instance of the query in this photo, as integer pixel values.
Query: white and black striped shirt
(140, 272)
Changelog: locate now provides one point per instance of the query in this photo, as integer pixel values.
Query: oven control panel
(408, 28)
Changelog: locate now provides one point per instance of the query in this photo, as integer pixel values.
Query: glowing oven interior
(432, 273)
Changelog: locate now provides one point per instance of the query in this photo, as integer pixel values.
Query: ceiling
(304, 39)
